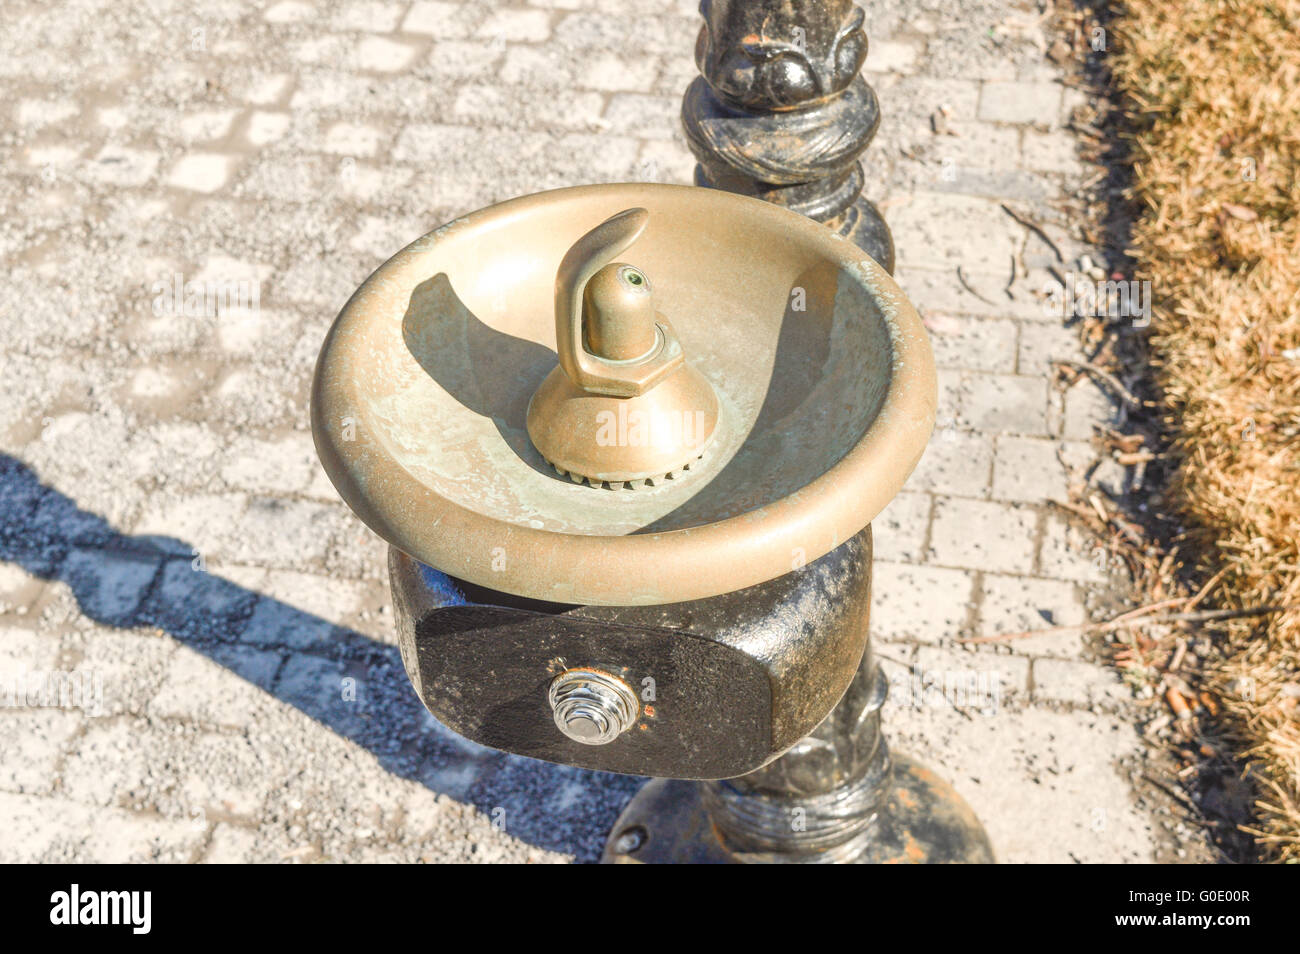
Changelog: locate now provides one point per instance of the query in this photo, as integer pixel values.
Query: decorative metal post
(782, 113)
(837, 796)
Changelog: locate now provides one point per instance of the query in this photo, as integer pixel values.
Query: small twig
(1150, 608)
(1205, 616)
(1129, 619)
(1071, 508)
(1139, 475)
(1106, 378)
(1176, 795)
(1036, 229)
(1086, 131)
(1205, 590)
(1115, 519)
(1135, 458)
(1179, 652)
(970, 288)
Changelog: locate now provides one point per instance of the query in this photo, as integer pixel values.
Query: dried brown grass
(1212, 89)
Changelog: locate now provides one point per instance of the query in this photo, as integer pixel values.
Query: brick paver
(189, 552)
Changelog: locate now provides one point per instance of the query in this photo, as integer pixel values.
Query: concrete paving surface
(213, 620)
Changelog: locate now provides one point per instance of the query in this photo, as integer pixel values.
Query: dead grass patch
(1212, 99)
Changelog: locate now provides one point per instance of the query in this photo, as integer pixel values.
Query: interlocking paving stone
(1018, 102)
(1015, 604)
(919, 603)
(1027, 470)
(982, 535)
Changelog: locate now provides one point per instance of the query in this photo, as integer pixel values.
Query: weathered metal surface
(781, 113)
(734, 680)
(822, 370)
(921, 820)
(738, 598)
(624, 410)
(836, 796)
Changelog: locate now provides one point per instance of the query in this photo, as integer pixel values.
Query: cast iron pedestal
(781, 113)
(837, 796)
(833, 795)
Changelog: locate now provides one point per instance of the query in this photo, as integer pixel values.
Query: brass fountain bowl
(822, 370)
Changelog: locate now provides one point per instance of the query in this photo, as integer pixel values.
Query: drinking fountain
(626, 443)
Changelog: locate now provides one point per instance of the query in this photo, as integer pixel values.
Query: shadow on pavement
(152, 581)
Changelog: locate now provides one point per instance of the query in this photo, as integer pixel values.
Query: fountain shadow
(491, 373)
(153, 581)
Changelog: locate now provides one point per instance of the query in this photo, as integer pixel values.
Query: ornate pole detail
(821, 801)
(837, 796)
(781, 112)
